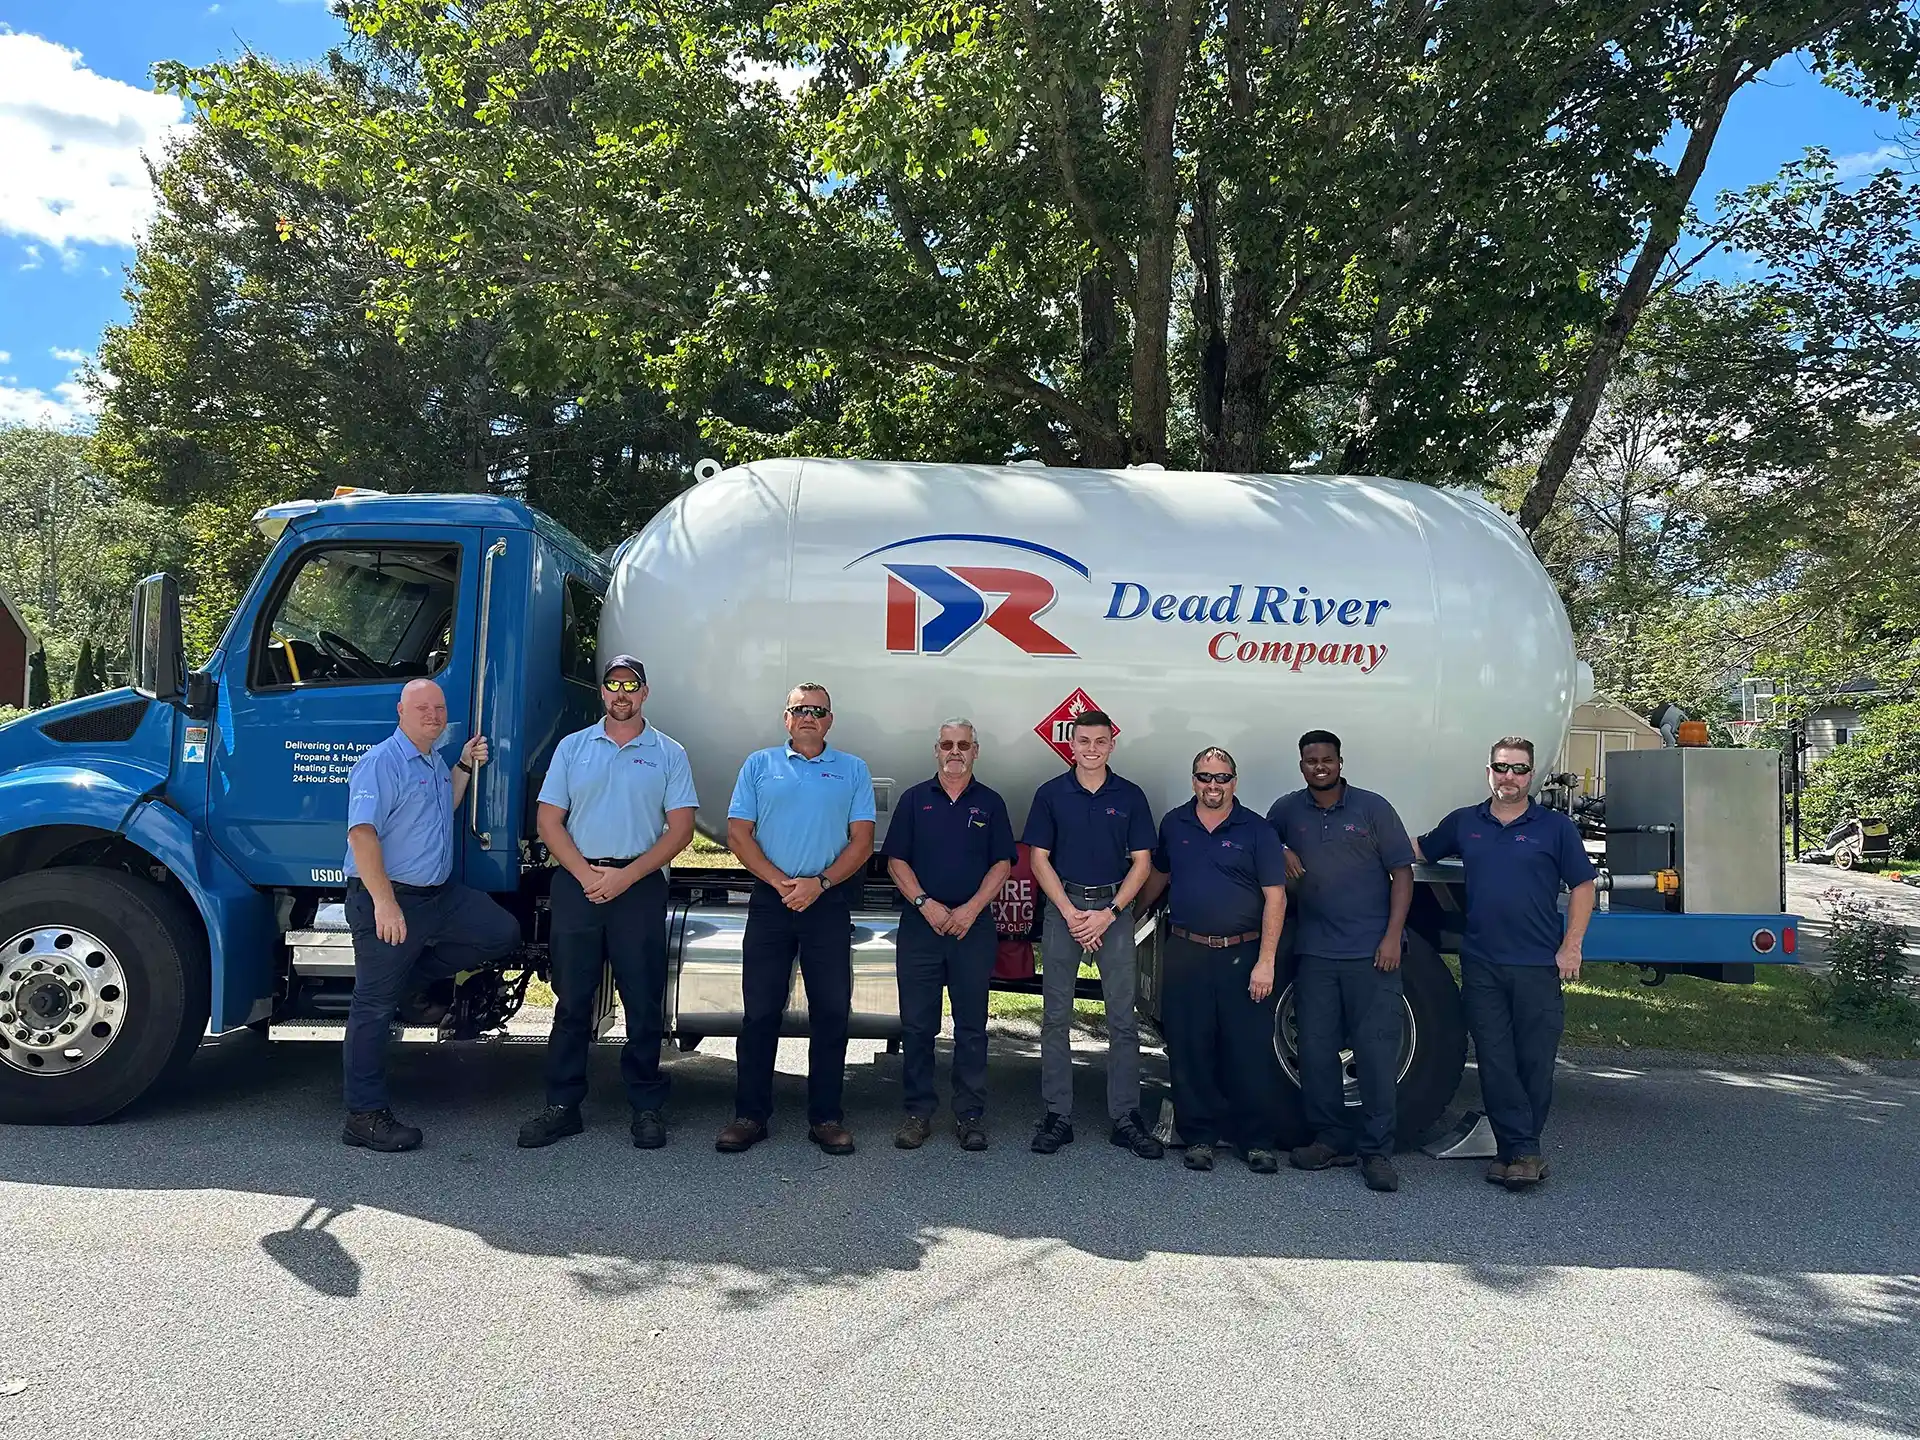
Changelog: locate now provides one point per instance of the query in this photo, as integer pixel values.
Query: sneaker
(1320, 1156)
(1130, 1133)
(1263, 1162)
(556, 1122)
(649, 1131)
(1497, 1173)
(1051, 1133)
(378, 1130)
(1525, 1172)
(740, 1134)
(972, 1132)
(1198, 1157)
(913, 1132)
(1379, 1173)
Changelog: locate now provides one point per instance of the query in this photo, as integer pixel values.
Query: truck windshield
(352, 614)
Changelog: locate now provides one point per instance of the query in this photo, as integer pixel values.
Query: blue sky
(75, 115)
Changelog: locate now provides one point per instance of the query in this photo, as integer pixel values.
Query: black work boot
(1051, 1133)
(1130, 1133)
(1378, 1172)
(649, 1131)
(1319, 1156)
(556, 1122)
(378, 1130)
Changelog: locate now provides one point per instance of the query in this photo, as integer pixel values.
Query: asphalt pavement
(1719, 1253)
(1808, 884)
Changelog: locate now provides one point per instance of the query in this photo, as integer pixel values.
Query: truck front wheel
(103, 993)
(1432, 1054)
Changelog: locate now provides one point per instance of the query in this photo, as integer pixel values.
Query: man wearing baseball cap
(616, 806)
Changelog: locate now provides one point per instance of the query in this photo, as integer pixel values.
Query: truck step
(335, 1031)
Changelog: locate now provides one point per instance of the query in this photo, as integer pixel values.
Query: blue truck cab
(162, 846)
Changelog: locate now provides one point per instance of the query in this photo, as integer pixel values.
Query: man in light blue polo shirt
(616, 806)
(411, 923)
(801, 820)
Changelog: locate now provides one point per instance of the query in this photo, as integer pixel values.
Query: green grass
(1609, 1007)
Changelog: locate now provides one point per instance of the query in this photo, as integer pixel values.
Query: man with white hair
(948, 850)
(411, 922)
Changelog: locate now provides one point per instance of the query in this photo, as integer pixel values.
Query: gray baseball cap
(623, 662)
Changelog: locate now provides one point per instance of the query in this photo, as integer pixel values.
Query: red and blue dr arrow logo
(969, 596)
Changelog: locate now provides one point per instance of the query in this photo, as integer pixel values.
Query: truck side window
(580, 632)
(350, 616)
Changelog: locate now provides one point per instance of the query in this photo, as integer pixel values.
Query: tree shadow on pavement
(1671, 1170)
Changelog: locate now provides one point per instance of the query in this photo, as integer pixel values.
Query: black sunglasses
(960, 745)
(1213, 777)
(1510, 767)
(809, 712)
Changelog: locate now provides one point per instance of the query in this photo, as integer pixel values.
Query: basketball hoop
(1743, 730)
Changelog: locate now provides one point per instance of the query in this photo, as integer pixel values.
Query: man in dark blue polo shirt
(949, 848)
(1516, 949)
(1228, 874)
(801, 820)
(1090, 840)
(1353, 865)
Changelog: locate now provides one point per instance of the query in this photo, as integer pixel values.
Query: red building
(17, 645)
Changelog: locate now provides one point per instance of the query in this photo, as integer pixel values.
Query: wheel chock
(1470, 1139)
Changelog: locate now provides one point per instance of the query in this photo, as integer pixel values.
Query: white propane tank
(1195, 608)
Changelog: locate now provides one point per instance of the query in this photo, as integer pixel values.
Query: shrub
(1876, 773)
(1867, 977)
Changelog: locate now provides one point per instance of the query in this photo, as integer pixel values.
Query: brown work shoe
(832, 1137)
(741, 1134)
(1497, 1172)
(913, 1132)
(1525, 1172)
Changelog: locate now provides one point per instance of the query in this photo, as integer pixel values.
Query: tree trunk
(1662, 232)
(1099, 338)
(1243, 409)
(1209, 311)
(1163, 63)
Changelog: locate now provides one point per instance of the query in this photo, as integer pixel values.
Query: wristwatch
(1114, 906)
(920, 901)
(825, 884)
(463, 765)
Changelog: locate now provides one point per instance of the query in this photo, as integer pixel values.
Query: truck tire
(1433, 1048)
(103, 993)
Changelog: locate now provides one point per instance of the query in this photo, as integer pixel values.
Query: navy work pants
(630, 933)
(1348, 1001)
(450, 928)
(821, 938)
(1516, 1014)
(928, 964)
(1219, 1046)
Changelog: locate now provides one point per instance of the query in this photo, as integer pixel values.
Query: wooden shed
(17, 646)
(1599, 726)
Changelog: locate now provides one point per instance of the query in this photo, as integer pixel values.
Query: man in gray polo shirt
(1352, 865)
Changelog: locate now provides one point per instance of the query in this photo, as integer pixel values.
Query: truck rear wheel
(1433, 1048)
(103, 993)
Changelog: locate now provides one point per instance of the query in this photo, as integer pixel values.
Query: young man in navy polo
(616, 806)
(949, 849)
(1516, 951)
(1349, 856)
(801, 820)
(1227, 872)
(1090, 840)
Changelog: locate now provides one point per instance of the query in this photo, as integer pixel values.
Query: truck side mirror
(158, 651)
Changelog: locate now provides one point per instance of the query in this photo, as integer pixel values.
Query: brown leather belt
(1213, 942)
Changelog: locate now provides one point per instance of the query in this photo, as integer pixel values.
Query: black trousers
(1219, 1046)
(821, 939)
(928, 964)
(1516, 1014)
(450, 928)
(1349, 999)
(630, 933)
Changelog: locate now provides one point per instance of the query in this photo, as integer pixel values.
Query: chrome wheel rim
(1286, 1045)
(63, 1000)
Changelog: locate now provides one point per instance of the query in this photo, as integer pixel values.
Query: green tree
(83, 681)
(1877, 772)
(38, 693)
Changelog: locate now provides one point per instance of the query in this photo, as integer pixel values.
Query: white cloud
(69, 405)
(1852, 167)
(72, 357)
(73, 141)
(5, 356)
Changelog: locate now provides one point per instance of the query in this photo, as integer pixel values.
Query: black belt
(400, 889)
(1092, 892)
(611, 864)
(1212, 942)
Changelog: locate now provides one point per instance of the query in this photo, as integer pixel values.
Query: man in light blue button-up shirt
(802, 821)
(616, 806)
(411, 924)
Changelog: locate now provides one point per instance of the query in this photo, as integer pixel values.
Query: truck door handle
(494, 552)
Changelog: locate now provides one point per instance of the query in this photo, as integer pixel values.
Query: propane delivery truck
(171, 853)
